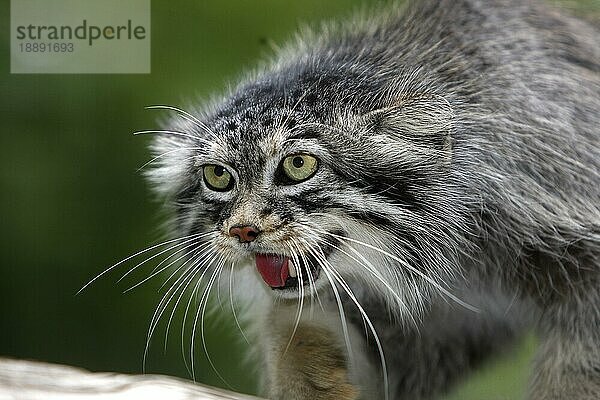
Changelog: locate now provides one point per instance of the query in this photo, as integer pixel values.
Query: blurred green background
(72, 201)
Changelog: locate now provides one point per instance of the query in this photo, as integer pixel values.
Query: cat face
(305, 198)
(262, 192)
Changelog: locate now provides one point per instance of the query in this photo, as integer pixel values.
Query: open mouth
(281, 272)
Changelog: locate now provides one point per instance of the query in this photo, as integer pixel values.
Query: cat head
(312, 179)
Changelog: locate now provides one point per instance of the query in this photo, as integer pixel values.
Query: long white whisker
(162, 305)
(411, 268)
(191, 263)
(200, 254)
(187, 116)
(347, 289)
(183, 281)
(371, 269)
(311, 282)
(175, 306)
(219, 287)
(205, 266)
(200, 248)
(184, 243)
(296, 259)
(200, 315)
(135, 255)
(166, 153)
(235, 318)
(299, 310)
(202, 319)
(170, 133)
(338, 300)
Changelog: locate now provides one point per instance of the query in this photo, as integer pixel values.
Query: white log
(31, 380)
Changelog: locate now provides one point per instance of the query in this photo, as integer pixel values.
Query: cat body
(401, 196)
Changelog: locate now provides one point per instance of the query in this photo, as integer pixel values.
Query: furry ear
(423, 122)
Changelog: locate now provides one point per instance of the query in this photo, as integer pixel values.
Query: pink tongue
(274, 269)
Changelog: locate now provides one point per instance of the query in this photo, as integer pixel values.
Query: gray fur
(459, 140)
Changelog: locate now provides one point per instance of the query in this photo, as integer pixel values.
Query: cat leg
(311, 360)
(422, 362)
(426, 361)
(568, 360)
(567, 293)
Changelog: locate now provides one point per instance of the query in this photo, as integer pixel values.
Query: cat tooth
(292, 269)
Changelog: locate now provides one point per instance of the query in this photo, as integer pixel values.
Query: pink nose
(244, 233)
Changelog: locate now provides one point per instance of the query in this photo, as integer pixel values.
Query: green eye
(300, 167)
(217, 178)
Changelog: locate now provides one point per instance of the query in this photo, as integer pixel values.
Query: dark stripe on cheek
(371, 218)
(309, 203)
(396, 191)
(313, 204)
(188, 193)
(190, 203)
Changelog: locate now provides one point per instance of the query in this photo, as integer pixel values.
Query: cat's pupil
(298, 162)
(219, 171)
